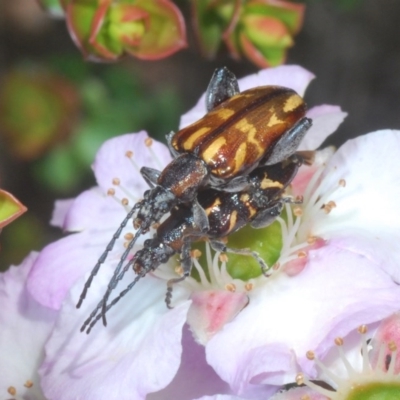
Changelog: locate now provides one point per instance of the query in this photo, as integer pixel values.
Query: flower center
(369, 382)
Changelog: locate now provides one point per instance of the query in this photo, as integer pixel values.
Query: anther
(248, 286)
(339, 341)
(392, 346)
(128, 236)
(124, 201)
(116, 181)
(28, 384)
(299, 199)
(362, 329)
(223, 257)
(297, 211)
(302, 254)
(195, 253)
(310, 355)
(311, 240)
(178, 270)
(129, 154)
(111, 192)
(148, 142)
(305, 397)
(230, 287)
(276, 266)
(342, 183)
(12, 390)
(300, 379)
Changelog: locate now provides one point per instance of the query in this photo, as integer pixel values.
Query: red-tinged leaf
(166, 33)
(291, 14)
(265, 31)
(230, 34)
(252, 53)
(210, 19)
(10, 208)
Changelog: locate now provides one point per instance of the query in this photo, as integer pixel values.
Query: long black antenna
(103, 257)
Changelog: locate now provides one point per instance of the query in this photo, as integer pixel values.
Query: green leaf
(10, 208)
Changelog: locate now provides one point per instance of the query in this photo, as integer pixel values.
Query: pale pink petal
(337, 291)
(111, 162)
(220, 397)
(194, 377)
(59, 265)
(61, 208)
(325, 120)
(367, 209)
(137, 353)
(25, 326)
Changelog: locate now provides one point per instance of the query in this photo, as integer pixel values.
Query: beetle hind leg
(221, 246)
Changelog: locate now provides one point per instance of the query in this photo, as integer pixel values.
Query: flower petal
(111, 162)
(25, 325)
(60, 211)
(303, 312)
(139, 352)
(325, 120)
(366, 209)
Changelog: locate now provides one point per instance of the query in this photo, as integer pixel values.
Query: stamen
(223, 257)
(11, 390)
(230, 287)
(342, 183)
(149, 142)
(302, 380)
(28, 384)
(249, 286)
(129, 154)
(195, 253)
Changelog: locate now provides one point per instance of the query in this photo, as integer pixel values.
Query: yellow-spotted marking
(216, 203)
(240, 156)
(232, 220)
(292, 103)
(250, 130)
(222, 113)
(213, 149)
(244, 198)
(267, 183)
(188, 144)
(274, 120)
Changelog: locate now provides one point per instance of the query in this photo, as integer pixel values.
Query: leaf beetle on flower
(241, 132)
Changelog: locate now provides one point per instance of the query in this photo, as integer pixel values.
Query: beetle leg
(150, 175)
(200, 217)
(289, 142)
(222, 86)
(221, 246)
(236, 184)
(268, 216)
(186, 262)
(169, 143)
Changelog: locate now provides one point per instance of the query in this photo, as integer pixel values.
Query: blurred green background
(352, 46)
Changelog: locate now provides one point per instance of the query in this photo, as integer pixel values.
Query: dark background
(353, 51)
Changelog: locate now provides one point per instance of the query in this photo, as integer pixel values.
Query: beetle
(227, 212)
(241, 131)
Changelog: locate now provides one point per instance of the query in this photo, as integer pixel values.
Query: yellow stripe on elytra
(240, 156)
(250, 131)
(189, 142)
(213, 148)
(267, 183)
(274, 120)
(292, 102)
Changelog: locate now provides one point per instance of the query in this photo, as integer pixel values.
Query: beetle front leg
(221, 246)
(186, 263)
(222, 86)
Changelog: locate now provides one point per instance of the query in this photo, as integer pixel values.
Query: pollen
(342, 183)
(124, 201)
(310, 355)
(111, 192)
(302, 254)
(223, 257)
(195, 253)
(116, 181)
(339, 341)
(249, 286)
(28, 384)
(362, 329)
(11, 390)
(128, 236)
(129, 154)
(230, 287)
(148, 142)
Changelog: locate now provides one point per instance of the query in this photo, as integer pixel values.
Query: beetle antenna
(116, 275)
(103, 257)
(114, 301)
